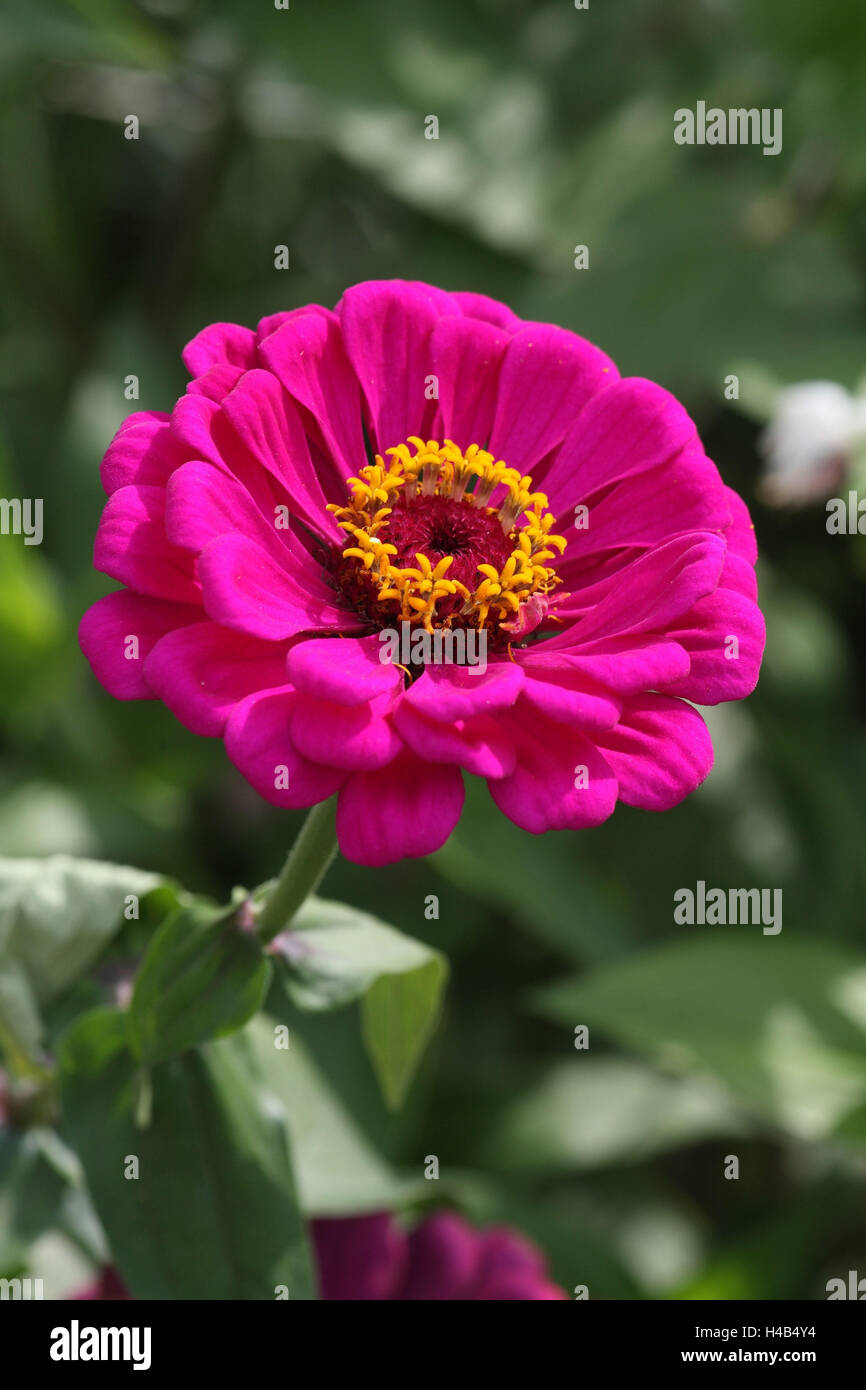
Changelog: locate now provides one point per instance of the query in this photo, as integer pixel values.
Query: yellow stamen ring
(467, 479)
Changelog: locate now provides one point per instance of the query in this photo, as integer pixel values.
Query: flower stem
(307, 863)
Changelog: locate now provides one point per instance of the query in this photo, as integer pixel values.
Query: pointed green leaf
(213, 1211)
(781, 1021)
(56, 916)
(203, 976)
(337, 954)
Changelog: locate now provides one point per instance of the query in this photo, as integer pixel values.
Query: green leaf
(775, 1257)
(398, 1014)
(203, 976)
(781, 1022)
(577, 913)
(337, 954)
(213, 1213)
(591, 1112)
(338, 1172)
(56, 916)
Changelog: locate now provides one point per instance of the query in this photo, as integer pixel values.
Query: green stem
(303, 871)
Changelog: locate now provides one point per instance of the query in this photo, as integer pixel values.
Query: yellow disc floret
(426, 545)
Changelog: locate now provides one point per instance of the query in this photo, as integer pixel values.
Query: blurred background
(305, 127)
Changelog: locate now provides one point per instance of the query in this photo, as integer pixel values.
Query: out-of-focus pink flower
(106, 1287)
(372, 1257)
(520, 489)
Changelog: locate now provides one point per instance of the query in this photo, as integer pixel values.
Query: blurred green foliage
(305, 127)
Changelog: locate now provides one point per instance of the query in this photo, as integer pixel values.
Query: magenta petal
(724, 637)
(506, 1251)
(450, 692)
(561, 781)
(547, 376)
(480, 744)
(481, 306)
(218, 344)
(741, 532)
(223, 482)
(131, 546)
(652, 592)
(272, 323)
(627, 665)
(660, 751)
(346, 671)
(105, 631)
(444, 1254)
(265, 421)
(386, 329)
(308, 357)
(354, 737)
(202, 671)
(193, 423)
(203, 503)
(465, 358)
(570, 697)
(359, 1257)
(108, 1287)
(401, 811)
(630, 427)
(258, 743)
(216, 382)
(142, 451)
(510, 1287)
(245, 589)
(645, 510)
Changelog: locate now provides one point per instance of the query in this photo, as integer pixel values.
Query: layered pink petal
(647, 509)
(243, 588)
(449, 692)
(465, 358)
(359, 1257)
(218, 344)
(481, 306)
(356, 738)
(480, 745)
(546, 378)
(443, 1259)
(105, 634)
(202, 671)
(345, 671)
(625, 665)
(216, 382)
(660, 751)
(724, 637)
(650, 593)
(266, 422)
(142, 451)
(132, 547)
(308, 357)
(386, 328)
(202, 503)
(402, 811)
(258, 743)
(561, 781)
(569, 696)
(629, 427)
(741, 532)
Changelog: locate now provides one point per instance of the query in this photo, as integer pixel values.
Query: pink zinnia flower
(518, 488)
(372, 1257)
